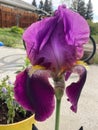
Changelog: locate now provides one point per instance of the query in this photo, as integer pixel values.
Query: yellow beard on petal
(79, 62)
(34, 69)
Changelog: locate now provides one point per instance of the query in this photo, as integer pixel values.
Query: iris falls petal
(20, 92)
(36, 94)
(73, 91)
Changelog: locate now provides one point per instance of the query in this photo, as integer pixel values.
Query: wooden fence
(16, 17)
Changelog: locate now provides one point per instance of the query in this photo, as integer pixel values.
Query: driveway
(11, 60)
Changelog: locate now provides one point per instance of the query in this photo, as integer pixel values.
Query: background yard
(12, 37)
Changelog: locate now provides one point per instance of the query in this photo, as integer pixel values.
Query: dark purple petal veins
(73, 91)
(35, 94)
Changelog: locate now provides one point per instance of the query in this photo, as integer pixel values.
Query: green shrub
(17, 30)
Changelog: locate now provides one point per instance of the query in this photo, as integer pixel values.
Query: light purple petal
(73, 91)
(35, 94)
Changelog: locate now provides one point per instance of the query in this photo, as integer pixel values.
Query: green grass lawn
(11, 38)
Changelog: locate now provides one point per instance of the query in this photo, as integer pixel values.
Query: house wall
(12, 16)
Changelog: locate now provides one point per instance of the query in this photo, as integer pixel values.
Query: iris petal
(73, 91)
(35, 94)
(57, 41)
(67, 75)
(20, 91)
(36, 36)
(74, 33)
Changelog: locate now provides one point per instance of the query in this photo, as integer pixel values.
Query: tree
(74, 5)
(41, 5)
(48, 6)
(34, 3)
(81, 8)
(89, 13)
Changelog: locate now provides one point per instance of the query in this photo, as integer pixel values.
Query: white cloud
(95, 6)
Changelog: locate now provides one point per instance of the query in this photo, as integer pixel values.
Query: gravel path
(11, 60)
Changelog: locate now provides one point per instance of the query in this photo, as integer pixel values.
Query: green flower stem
(57, 119)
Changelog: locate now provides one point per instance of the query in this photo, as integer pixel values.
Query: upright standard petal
(35, 94)
(57, 41)
(73, 91)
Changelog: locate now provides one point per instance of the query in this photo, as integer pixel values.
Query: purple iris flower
(53, 45)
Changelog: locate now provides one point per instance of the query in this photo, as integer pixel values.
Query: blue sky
(57, 2)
